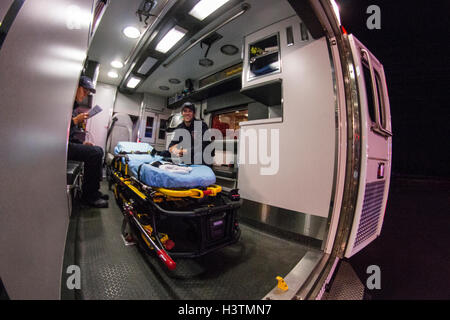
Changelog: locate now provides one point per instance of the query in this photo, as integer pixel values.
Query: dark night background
(413, 45)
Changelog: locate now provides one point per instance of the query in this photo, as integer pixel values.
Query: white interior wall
(155, 103)
(129, 104)
(306, 137)
(40, 62)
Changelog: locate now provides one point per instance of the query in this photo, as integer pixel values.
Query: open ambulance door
(376, 148)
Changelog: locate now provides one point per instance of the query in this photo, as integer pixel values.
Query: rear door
(376, 142)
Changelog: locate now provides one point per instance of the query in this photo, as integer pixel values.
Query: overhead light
(117, 64)
(132, 32)
(147, 65)
(165, 88)
(174, 81)
(113, 74)
(170, 39)
(205, 7)
(229, 49)
(206, 62)
(133, 82)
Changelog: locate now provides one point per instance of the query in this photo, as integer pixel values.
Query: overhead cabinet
(264, 51)
(263, 57)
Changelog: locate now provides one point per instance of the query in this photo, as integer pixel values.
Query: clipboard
(94, 111)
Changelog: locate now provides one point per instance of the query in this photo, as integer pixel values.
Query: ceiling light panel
(170, 39)
(205, 7)
(133, 82)
(147, 65)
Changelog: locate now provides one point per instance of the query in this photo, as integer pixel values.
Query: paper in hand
(94, 111)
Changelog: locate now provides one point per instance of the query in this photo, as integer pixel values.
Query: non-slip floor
(111, 270)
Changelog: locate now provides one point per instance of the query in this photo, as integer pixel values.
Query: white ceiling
(109, 43)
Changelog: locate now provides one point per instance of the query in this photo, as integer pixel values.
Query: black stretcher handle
(200, 211)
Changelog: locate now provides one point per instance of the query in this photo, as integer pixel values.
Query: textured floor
(346, 285)
(111, 270)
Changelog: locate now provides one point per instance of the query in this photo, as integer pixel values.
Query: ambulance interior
(257, 69)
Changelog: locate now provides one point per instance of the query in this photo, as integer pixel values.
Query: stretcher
(174, 211)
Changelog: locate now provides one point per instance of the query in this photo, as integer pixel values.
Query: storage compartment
(264, 57)
(268, 93)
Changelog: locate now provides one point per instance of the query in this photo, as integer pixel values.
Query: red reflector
(343, 30)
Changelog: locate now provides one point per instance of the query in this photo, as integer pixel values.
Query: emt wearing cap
(80, 150)
(177, 147)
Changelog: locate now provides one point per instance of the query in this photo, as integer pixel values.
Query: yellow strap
(197, 193)
(215, 189)
(171, 193)
(193, 193)
(148, 228)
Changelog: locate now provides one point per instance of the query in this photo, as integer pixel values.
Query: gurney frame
(212, 213)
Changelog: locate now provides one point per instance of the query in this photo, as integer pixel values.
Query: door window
(381, 104)
(369, 92)
(162, 129)
(149, 127)
(375, 94)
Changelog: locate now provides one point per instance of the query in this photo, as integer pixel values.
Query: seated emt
(80, 150)
(192, 150)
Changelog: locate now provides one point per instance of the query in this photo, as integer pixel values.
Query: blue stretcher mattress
(199, 176)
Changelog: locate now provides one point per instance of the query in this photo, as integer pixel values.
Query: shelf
(253, 59)
(260, 121)
(268, 93)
